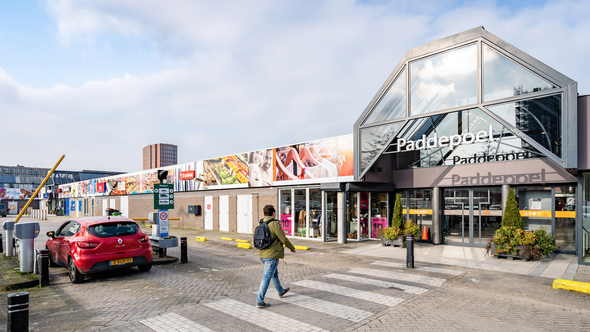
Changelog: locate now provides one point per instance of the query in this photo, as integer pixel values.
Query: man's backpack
(262, 237)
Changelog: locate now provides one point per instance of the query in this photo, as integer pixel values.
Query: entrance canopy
(469, 98)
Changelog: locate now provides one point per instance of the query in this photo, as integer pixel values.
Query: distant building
(158, 155)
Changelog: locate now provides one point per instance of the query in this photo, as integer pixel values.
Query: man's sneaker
(262, 305)
(281, 294)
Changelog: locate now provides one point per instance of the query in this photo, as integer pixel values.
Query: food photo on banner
(260, 168)
(226, 170)
(314, 160)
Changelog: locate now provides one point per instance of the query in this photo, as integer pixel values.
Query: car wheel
(75, 276)
(144, 268)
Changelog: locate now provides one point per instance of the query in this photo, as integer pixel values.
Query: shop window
(286, 212)
(503, 78)
(393, 104)
(585, 210)
(565, 218)
(535, 207)
(315, 213)
(352, 222)
(373, 140)
(540, 119)
(300, 213)
(379, 215)
(444, 81)
(331, 214)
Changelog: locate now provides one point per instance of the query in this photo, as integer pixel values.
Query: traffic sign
(163, 222)
(163, 196)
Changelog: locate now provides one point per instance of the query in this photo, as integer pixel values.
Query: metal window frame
(567, 88)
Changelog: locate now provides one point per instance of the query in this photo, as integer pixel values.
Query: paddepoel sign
(444, 141)
(186, 175)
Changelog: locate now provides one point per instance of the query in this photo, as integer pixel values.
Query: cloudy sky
(100, 79)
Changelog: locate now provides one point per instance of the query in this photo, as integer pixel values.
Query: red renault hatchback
(95, 244)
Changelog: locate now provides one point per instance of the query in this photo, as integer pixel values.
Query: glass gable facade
(479, 85)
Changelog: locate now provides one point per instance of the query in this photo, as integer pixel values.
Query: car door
(66, 242)
(54, 244)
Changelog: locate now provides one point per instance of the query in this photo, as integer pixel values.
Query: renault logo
(120, 241)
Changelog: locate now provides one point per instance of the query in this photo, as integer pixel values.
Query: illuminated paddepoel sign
(445, 141)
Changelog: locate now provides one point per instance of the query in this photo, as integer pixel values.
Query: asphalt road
(330, 291)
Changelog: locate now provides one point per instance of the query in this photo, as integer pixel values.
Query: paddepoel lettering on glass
(492, 157)
(445, 141)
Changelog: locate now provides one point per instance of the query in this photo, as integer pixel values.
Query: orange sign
(546, 214)
(420, 211)
(565, 214)
(186, 175)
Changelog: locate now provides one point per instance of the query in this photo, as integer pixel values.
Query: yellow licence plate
(121, 261)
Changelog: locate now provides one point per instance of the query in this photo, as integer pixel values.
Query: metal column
(436, 219)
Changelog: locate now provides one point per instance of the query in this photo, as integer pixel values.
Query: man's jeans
(270, 273)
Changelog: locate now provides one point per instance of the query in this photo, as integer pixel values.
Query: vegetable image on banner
(226, 170)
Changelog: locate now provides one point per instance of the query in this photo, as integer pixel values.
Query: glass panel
(364, 215)
(503, 78)
(379, 217)
(456, 215)
(352, 224)
(444, 81)
(300, 213)
(505, 145)
(487, 213)
(540, 119)
(586, 218)
(536, 205)
(315, 213)
(332, 214)
(565, 218)
(393, 104)
(285, 213)
(373, 140)
(420, 204)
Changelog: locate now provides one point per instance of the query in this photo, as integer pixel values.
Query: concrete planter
(395, 242)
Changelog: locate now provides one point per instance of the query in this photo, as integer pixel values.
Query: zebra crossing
(336, 302)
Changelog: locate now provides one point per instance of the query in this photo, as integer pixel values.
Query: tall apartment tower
(158, 155)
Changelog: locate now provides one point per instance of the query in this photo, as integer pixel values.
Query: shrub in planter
(512, 215)
(397, 219)
(510, 240)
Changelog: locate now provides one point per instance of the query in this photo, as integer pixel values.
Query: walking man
(271, 255)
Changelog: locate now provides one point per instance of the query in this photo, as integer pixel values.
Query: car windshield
(113, 229)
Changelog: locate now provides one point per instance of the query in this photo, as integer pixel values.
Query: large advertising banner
(186, 175)
(326, 158)
(261, 168)
(226, 170)
(15, 193)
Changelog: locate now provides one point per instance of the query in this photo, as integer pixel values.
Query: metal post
(44, 269)
(1, 245)
(18, 312)
(410, 252)
(183, 247)
(161, 252)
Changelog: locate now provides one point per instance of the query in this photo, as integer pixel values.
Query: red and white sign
(208, 207)
(186, 175)
(100, 187)
(163, 216)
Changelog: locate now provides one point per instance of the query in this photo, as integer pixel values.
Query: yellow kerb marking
(202, 239)
(571, 285)
(245, 245)
(238, 240)
(227, 239)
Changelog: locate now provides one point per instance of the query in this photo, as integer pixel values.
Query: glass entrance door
(471, 216)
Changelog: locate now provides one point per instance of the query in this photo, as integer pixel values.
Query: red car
(96, 244)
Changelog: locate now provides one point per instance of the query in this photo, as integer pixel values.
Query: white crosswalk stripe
(261, 317)
(426, 268)
(380, 283)
(351, 292)
(432, 281)
(333, 309)
(173, 322)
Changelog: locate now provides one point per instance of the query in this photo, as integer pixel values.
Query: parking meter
(9, 228)
(27, 232)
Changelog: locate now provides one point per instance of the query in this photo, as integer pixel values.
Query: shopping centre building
(458, 123)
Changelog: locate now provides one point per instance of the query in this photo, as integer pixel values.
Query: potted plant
(511, 242)
(413, 229)
(394, 234)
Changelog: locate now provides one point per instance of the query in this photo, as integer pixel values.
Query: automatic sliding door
(487, 213)
(457, 216)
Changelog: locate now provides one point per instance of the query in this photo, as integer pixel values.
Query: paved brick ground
(216, 290)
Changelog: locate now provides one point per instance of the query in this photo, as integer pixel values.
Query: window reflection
(539, 118)
(393, 104)
(444, 81)
(505, 147)
(373, 140)
(503, 78)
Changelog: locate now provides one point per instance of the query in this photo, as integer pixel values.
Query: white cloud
(255, 74)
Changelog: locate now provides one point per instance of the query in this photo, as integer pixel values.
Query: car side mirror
(51, 234)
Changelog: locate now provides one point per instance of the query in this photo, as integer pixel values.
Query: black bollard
(18, 312)
(183, 256)
(44, 268)
(1, 244)
(410, 253)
